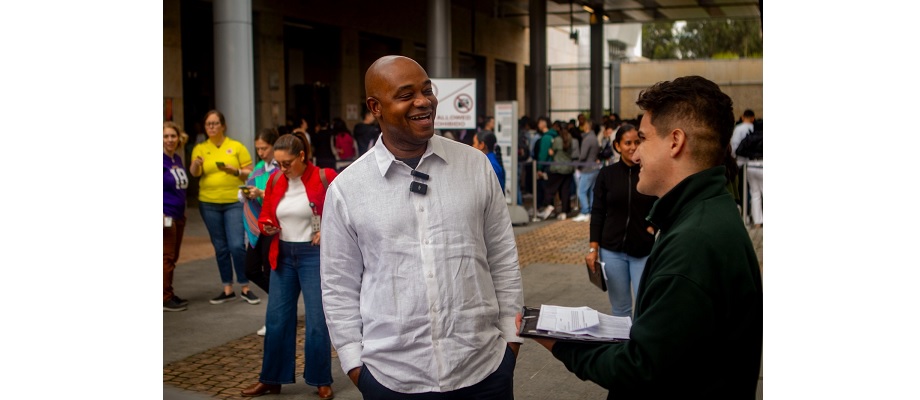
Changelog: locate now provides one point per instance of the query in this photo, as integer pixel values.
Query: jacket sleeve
(268, 201)
(672, 331)
(598, 207)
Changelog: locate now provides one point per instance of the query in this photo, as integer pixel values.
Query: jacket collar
(385, 159)
(692, 190)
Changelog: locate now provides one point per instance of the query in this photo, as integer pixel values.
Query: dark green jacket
(546, 143)
(698, 329)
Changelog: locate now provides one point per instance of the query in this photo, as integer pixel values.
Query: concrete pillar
(270, 89)
(597, 64)
(523, 102)
(233, 71)
(172, 63)
(538, 59)
(439, 49)
(352, 95)
(490, 85)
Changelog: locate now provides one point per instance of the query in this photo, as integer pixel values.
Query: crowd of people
(420, 290)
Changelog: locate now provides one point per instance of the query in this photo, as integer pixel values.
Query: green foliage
(658, 40)
(701, 39)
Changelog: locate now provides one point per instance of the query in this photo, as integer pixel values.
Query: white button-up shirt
(423, 289)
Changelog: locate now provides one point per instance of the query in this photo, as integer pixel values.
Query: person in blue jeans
(223, 164)
(588, 155)
(290, 218)
(619, 231)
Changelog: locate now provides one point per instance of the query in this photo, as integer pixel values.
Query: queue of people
(407, 263)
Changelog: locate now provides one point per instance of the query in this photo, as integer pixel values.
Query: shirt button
(430, 275)
(421, 208)
(427, 241)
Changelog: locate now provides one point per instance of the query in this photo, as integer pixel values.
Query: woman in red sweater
(290, 216)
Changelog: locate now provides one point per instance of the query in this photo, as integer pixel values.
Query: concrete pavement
(213, 351)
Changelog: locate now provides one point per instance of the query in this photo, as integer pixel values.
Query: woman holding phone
(251, 195)
(223, 164)
(294, 258)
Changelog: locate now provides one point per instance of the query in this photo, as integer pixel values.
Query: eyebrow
(409, 86)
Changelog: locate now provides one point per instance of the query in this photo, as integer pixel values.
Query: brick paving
(223, 371)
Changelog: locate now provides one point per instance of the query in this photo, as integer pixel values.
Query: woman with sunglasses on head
(223, 164)
(175, 183)
(290, 218)
(619, 231)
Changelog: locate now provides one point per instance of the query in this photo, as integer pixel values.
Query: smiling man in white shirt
(420, 274)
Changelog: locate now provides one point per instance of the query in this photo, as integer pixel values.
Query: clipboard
(530, 315)
(597, 277)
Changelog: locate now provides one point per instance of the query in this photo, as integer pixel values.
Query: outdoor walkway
(213, 351)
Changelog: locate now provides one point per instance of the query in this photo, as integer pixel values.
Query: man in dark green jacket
(698, 328)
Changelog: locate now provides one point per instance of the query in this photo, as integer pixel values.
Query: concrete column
(537, 104)
(172, 65)
(439, 50)
(597, 64)
(523, 102)
(233, 71)
(350, 79)
(490, 85)
(270, 89)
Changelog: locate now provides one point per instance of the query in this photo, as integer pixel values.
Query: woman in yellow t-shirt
(223, 165)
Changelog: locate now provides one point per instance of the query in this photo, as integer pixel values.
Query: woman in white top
(290, 217)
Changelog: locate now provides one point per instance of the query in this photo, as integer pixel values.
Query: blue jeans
(497, 386)
(586, 190)
(296, 272)
(622, 269)
(225, 226)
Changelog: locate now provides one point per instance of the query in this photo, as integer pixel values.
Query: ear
(678, 139)
(373, 106)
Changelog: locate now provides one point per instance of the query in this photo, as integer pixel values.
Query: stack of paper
(574, 323)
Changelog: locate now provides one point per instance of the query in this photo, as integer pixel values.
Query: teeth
(421, 117)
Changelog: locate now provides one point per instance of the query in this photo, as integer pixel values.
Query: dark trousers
(172, 242)
(258, 269)
(497, 386)
(561, 184)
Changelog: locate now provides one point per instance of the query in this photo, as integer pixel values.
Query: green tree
(659, 41)
(701, 39)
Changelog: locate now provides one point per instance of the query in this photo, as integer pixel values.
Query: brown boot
(325, 393)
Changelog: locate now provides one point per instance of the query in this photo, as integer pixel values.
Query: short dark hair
(749, 113)
(698, 107)
(487, 138)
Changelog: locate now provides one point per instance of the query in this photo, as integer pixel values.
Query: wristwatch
(591, 250)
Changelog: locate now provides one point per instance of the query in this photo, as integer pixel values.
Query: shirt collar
(385, 158)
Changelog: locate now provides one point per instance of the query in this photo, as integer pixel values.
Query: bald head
(382, 71)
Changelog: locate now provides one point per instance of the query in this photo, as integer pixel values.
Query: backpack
(523, 147)
(752, 144)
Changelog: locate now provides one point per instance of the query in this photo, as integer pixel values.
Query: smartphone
(220, 164)
(244, 188)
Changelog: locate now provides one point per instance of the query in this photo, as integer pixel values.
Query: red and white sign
(456, 103)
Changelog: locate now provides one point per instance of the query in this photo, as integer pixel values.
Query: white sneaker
(546, 212)
(261, 332)
(561, 216)
(582, 218)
